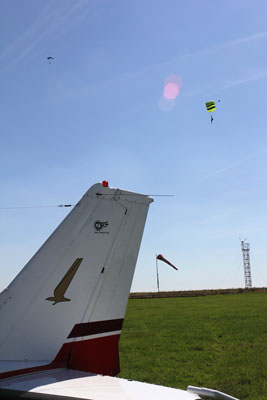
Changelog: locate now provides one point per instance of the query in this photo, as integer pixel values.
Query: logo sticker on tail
(63, 285)
(99, 225)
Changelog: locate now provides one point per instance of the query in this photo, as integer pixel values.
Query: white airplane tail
(66, 306)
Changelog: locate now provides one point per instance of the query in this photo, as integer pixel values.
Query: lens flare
(172, 87)
(171, 91)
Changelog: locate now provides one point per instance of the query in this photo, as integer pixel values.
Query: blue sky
(98, 112)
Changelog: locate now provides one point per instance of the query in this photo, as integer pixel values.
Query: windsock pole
(157, 272)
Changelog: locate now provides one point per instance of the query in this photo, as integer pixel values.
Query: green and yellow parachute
(211, 106)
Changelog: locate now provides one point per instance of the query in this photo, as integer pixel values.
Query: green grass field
(218, 342)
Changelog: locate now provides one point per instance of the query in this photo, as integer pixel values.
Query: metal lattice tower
(246, 261)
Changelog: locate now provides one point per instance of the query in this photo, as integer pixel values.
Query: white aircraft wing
(84, 385)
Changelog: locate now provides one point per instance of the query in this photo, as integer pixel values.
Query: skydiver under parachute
(49, 59)
(210, 105)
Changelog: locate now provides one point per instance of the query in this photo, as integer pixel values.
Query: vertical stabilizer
(68, 303)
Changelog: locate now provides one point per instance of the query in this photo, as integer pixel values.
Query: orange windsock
(161, 258)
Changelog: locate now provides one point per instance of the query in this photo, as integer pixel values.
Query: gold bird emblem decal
(63, 285)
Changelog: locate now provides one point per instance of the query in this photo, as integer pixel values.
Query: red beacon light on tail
(105, 183)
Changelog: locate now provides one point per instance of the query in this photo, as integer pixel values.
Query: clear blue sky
(98, 112)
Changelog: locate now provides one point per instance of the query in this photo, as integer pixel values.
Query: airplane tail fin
(67, 304)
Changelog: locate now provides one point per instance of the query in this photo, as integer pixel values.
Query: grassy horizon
(218, 342)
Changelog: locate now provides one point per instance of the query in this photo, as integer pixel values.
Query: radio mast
(246, 261)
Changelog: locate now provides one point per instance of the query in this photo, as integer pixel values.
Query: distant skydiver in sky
(49, 59)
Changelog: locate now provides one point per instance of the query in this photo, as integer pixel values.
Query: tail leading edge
(67, 304)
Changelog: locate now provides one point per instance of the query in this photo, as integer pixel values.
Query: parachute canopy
(50, 59)
(210, 106)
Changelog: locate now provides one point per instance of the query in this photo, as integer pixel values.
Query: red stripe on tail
(100, 355)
